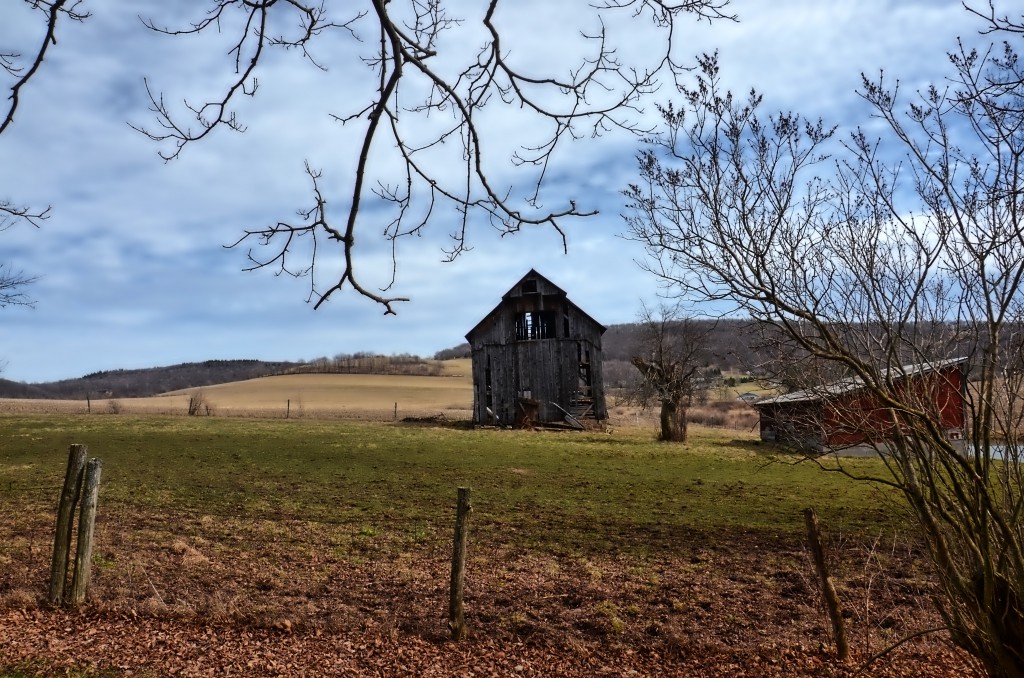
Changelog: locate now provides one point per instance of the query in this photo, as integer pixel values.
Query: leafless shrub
(708, 417)
(724, 414)
(198, 404)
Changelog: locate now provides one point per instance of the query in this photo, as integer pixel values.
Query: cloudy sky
(132, 265)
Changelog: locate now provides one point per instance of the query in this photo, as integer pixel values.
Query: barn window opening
(529, 287)
(535, 325)
(524, 326)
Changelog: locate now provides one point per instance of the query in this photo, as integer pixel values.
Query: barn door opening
(585, 375)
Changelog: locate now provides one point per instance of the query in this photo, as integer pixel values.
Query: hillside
(730, 349)
(151, 381)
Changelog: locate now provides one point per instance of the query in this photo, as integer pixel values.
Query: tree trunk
(673, 421)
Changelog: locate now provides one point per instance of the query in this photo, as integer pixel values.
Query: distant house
(748, 397)
(536, 359)
(844, 414)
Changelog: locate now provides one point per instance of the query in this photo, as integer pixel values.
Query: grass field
(608, 541)
(618, 491)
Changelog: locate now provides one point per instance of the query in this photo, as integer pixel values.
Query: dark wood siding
(538, 346)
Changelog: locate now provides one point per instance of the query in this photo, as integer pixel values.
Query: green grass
(566, 493)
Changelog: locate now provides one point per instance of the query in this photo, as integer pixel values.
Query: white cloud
(134, 272)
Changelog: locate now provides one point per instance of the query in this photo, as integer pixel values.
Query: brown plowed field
(359, 396)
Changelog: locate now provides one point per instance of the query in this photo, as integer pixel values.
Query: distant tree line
(463, 350)
(731, 346)
(152, 381)
(146, 382)
(731, 342)
(371, 363)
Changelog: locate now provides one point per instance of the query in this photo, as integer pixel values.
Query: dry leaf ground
(255, 548)
(745, 604)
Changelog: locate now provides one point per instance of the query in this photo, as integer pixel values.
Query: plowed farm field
(357, 396)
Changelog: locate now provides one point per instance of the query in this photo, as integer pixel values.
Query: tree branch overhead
(432, 110)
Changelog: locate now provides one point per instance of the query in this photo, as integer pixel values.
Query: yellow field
(460, 367)
(347, 394)
(363, 396)
(370, 397)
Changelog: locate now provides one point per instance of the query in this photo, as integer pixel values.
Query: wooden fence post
(65, 519)
(835, 610)
(86, 525)
(456, 619)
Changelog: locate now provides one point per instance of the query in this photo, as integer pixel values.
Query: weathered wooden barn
(844, 414)
(537, 359)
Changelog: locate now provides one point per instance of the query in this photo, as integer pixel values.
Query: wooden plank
(569, 418)
(835, 611)
(86, 527)
(456, 612)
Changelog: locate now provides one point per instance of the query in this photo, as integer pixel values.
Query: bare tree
(16, 71)
(670, 353)
(884, 257)
(428, 109)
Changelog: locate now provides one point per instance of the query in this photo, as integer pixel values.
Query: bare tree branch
(12, 287)
(995, 23)
(21, 70)
(428, 111)
(11, 214)
(9, 60)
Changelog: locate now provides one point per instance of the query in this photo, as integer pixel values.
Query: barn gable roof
(843, 386)
(532, 274)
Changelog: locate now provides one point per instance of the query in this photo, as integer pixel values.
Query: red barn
(845, 414)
